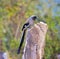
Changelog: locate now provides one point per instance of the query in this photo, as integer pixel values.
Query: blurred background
(13, 14)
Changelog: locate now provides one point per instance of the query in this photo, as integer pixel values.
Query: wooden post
(35, 41)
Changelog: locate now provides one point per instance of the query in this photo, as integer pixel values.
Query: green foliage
(14, 43)
(52, 47)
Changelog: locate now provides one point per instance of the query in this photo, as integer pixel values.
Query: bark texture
(35, 41)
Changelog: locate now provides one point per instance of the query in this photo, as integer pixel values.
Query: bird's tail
(21, 43)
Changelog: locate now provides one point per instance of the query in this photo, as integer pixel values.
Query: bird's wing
(25, 26)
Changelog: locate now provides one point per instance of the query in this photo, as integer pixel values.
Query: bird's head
(34, 17)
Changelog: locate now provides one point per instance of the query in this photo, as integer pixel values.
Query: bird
(28, 24)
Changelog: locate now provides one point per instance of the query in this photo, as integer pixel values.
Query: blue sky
(56, 9)
(57, 1)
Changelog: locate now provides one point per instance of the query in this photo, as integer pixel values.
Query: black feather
(26, 24)
(21, 43)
